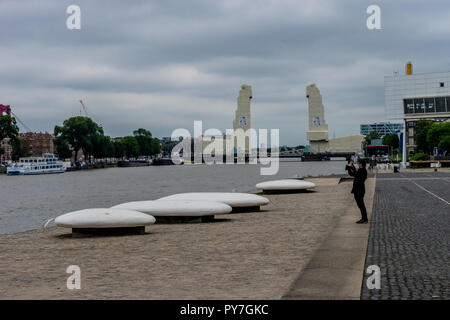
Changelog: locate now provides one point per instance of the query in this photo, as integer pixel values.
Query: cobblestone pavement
(409, 236)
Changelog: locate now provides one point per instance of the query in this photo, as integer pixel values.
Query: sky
(160, 65)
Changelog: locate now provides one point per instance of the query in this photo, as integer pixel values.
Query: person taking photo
(359, 189)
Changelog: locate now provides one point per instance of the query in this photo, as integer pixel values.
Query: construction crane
(84, 108)
(21, 122)
(7, 110)
(85, 111)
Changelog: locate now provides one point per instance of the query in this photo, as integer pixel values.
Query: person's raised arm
(351, 169)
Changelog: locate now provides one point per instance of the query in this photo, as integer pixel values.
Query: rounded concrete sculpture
(94, 220)
(182, 208)
(233, 199)
(285, 184)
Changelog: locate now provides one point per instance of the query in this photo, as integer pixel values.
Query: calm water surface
(26, 202)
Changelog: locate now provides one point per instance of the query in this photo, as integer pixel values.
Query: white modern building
(411, 97)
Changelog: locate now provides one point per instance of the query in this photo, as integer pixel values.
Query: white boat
(48, 163)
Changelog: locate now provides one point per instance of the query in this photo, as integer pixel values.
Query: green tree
(422, 128)
(155, 147)
(370, 136)
(119, 150)
(131, 146)
(437, 132)
(144, 139)
(80, 132)
(168, 146)
(62, 148)
(444, 144)
(391, 140)
(102, 146)
(110, 149)
(8, 127)
(419, 156)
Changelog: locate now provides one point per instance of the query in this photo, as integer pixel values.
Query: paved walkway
(410, 236)
(336, 269)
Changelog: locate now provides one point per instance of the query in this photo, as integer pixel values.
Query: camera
(348, 167)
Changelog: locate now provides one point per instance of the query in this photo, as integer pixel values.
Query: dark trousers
(359, 197)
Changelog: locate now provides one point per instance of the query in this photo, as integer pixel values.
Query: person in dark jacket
(359, 189)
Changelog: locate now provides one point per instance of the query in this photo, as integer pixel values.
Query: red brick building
(7, 150)
(37, 143)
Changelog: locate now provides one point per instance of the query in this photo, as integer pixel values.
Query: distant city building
(412, 97)
(169, 139)
(37, 143)
(7, 150)
(382, 128)
(376, 142)
(318, 128)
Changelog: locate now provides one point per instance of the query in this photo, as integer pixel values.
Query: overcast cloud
(163, 64)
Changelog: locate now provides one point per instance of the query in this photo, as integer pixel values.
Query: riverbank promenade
(254, 255)
(301, 246)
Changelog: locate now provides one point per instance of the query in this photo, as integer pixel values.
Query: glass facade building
(417, 96)
(382, 128)
(426, 105)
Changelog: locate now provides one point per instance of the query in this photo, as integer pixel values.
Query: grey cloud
(163, 64)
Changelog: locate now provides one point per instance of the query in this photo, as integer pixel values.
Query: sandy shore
(248, 255)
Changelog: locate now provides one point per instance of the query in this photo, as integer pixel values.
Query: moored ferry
(48, 163)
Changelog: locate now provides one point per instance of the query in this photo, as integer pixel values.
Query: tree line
(430, 135)
(9, 129)
(390, 139)
(82, 133)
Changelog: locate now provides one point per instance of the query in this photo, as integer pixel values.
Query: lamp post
(404, 145)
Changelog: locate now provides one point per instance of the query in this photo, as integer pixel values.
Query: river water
(26, 202)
